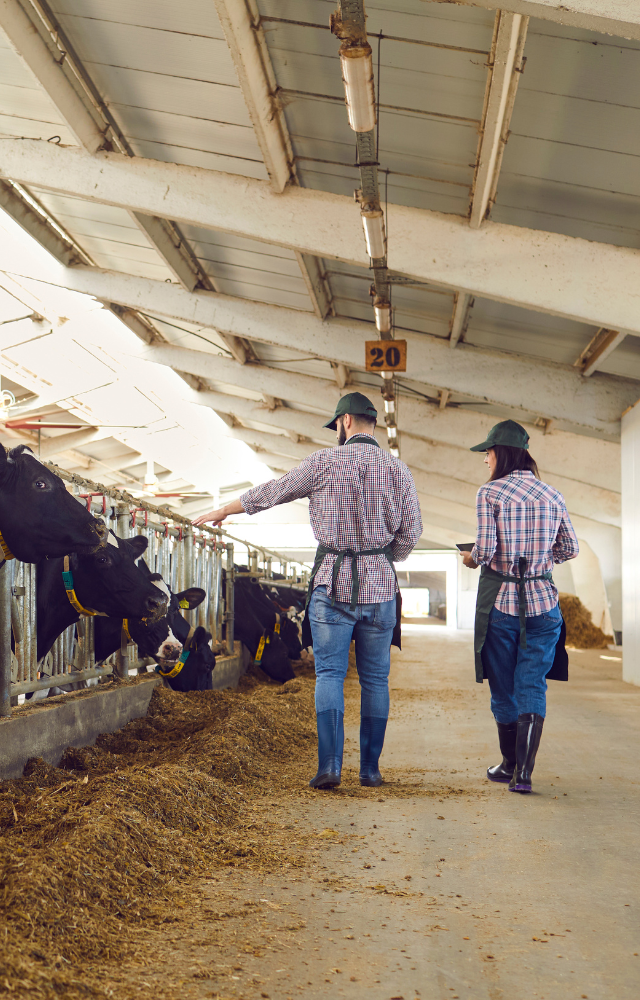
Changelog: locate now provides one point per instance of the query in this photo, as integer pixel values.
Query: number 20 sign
(386, 355)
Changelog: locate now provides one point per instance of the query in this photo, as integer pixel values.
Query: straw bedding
(581, 632)
(110, 839)
(110, 845)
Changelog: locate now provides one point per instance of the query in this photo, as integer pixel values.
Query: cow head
(109, 580)
(38, 517)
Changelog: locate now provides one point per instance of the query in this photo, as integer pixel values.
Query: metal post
(5, 640)
(122, 658)
(230, 614)
(124, 523)
(268, 568)
(253, 562)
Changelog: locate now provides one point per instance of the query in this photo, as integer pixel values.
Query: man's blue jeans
(518, 677)
(333, 628)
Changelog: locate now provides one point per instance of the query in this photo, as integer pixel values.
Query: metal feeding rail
(184, 556)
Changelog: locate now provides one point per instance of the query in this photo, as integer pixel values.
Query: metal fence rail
(184, 557)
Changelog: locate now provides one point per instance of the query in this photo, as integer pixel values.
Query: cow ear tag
(184, 604)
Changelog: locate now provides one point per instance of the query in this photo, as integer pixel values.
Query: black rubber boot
(372, 732)
(507, 738)
(527, 743)
(330, 748)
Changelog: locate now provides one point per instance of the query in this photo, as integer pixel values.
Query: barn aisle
(453, 887)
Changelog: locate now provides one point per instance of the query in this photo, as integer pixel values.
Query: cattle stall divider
(184, 557)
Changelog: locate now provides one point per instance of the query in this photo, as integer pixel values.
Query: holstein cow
(38, 518)
(107, 581)
(254, 628)
(185, 658)
(272, 617)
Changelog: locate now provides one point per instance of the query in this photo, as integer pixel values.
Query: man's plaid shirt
(360, 497)
(520, 516)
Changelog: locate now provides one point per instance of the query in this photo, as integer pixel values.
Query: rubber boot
(372, 732)
(527, 743)
(507, 738)
(330, 748)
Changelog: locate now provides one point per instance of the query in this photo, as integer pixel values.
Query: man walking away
(365, 515)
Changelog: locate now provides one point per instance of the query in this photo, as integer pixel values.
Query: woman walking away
(523, 529)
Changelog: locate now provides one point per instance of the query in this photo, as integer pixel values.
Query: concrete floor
(471, 891)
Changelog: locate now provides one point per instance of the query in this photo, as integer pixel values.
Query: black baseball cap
(354, 403)
(508, 433)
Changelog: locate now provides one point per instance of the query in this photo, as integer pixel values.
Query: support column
(5, 640)
(630, 457)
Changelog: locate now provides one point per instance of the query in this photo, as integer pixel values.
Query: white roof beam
(610, 17)
(459, 317)
(504, 73)
(316, 284)
(599, 347)
(562, 275)
(551, 390)
(240, 20)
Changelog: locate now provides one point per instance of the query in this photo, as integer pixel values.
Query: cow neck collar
(6, 551)
(67, 579)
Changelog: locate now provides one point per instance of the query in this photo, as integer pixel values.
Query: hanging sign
(386, 355)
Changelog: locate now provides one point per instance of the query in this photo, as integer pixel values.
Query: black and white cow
(108, 580)
(272, 616)
(164, 639)
(38, 518)
(252, 624)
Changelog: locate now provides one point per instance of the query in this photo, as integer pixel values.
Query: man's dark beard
(342, 434)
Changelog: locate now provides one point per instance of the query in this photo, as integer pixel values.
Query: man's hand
(468, 561)
(217, 516)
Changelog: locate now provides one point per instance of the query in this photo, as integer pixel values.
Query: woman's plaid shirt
(360, 497)
(520, 516)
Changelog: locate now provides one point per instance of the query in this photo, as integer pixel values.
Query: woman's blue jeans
(518, 677)
(333, 628)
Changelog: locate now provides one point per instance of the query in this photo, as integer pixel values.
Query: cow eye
(102, 560)
(40, 484)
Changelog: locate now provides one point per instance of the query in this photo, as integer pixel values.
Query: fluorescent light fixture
(387, 375)
(374, 235)
(395, 452)
(389, 406)
(359, 93)
(382, 310)
(392, 435)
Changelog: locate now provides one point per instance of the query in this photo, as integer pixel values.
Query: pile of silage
(107, 842)
(581, 632)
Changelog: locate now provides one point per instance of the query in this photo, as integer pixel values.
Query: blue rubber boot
(330, 748)
(371, 742)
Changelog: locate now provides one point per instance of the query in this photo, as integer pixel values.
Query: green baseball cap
(354, 403)
(508, 433)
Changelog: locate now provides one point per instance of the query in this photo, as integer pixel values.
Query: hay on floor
(581, 632)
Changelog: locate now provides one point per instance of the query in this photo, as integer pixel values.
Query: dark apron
(488, 589)
(324, 550)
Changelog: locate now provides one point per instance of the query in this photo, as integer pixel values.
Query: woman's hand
(468, 561)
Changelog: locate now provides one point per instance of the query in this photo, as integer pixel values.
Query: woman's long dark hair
(510, 459)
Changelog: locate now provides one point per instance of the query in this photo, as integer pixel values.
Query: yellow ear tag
(184, 604)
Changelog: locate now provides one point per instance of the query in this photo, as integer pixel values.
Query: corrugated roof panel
(572, 164)
(170, 53)
(199, 158)
(625, 360)
(197, 17)
(261, 291)
(211, 238)
(508, 328)
(184, 132)
(227, 258)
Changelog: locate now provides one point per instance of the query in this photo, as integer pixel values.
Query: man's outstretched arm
(293, 486)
